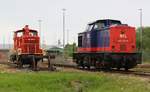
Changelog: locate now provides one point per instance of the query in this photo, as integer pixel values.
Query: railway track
(132, 72)
(145, 74)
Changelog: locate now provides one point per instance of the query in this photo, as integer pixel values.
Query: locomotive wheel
(86, 62)
(79, 63)
(106, 65)
(126, 66)
(88, 67)
(97, 65)
(49, 63)
(12, 58)
(82, 64)
(34, 63)
(118, 66)
(19, 62)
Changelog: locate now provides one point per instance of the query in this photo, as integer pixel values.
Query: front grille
(30, 48)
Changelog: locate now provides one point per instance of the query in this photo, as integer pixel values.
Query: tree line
(145, 42)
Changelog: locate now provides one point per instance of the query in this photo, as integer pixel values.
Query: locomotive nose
(123, 39)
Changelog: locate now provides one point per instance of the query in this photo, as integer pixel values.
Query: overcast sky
(17, 13)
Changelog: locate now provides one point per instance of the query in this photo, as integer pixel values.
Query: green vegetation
(70, 82)
(145, 42)
(69, 49)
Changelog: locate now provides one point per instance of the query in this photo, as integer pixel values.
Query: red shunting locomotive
(27, 41)
(107, 44)
(26, 48)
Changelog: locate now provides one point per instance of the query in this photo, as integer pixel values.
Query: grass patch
(70, 82)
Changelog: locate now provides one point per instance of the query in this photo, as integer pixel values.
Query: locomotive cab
(100, 24)
(97, 36)
(27, 41)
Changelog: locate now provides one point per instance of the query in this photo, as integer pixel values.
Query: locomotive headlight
(113, 47)
(133, 46)
(44, 52)
(123, 35)
(19, 51)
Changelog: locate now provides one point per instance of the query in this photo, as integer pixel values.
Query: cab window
(89, 27)
(80, 41)
(19, 34)
(98, 26)
(33, 33)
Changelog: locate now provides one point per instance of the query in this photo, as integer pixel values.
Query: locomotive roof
(105, 20)
(24, 30)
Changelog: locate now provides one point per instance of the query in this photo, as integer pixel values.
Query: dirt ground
(144, 66)
(43, 66)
